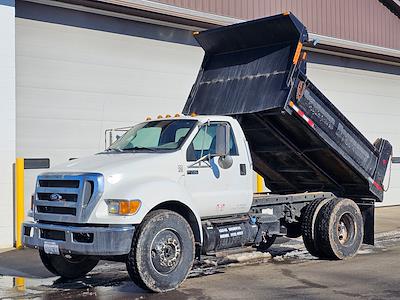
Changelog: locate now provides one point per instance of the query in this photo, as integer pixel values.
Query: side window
(232, 145)
(205, 142)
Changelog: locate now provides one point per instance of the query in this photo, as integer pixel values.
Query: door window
(204, 142)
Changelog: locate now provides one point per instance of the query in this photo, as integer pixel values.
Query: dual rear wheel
(332, 228)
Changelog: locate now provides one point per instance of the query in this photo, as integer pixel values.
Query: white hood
(109, 163)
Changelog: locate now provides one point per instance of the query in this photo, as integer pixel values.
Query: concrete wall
(7, 120)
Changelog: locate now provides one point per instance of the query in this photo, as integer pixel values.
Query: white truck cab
(171, 159)
(91, 206)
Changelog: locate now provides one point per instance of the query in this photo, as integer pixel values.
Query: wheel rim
(346, 229)
(166, 251)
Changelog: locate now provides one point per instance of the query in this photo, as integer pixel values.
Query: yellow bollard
(260, 183)
(19, 283)
(19, 197)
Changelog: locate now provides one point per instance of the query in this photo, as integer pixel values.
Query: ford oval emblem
(55, 197)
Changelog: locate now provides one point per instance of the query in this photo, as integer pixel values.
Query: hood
(110, 163)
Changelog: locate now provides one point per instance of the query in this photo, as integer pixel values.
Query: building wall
(364, 21)
(7, 120)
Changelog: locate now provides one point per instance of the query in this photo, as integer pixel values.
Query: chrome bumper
(101, 241)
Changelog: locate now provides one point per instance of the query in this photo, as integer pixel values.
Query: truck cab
(92, 205)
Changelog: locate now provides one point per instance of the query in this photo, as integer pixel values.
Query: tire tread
(308, 227)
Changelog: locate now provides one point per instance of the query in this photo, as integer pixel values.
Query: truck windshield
(154, 136)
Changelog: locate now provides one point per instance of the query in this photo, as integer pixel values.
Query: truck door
(215, 190)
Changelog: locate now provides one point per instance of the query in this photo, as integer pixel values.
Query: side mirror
(225, 162)
(222, 140)
(223, 137)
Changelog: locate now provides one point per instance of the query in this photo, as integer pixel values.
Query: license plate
(51, 248)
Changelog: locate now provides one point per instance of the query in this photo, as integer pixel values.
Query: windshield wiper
(113, 149)
(138, 148)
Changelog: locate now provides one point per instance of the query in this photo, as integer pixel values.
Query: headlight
(123, 207)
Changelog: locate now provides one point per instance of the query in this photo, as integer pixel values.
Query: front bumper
(102, 241)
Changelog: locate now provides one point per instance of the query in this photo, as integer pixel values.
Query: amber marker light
(123, 207)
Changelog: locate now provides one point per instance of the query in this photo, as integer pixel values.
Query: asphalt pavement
(288, 273)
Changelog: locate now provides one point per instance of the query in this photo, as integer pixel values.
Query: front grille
(59, 183)
(64, 197)
(56, 210)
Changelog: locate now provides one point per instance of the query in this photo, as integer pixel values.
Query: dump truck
(175, 188)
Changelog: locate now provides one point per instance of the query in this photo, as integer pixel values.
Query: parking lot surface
(289, 272)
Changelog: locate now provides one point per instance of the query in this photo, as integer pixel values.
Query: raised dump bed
(256, 72)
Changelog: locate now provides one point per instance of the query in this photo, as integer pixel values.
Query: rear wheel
(68, 266)
(162, 252)
(339, 229)
(308, 225)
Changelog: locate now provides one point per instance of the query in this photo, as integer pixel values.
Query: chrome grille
(67, 197)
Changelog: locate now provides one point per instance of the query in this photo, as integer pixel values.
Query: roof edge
(198, 20)
(218, 20)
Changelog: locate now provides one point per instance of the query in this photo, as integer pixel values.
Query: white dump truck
(174, 188)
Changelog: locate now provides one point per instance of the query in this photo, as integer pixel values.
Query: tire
(162, 252)
(340, 229)
(47, 263)
(308, 225)
(68, 266)
(264, 246)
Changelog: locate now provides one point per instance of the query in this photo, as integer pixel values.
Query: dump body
(299, 141)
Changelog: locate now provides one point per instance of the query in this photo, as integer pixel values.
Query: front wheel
(162, 252)
(68, 266)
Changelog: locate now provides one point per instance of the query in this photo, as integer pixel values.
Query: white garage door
(371, 101)
(74, 83)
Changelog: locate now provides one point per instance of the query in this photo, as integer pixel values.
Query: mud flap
(368, 214)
